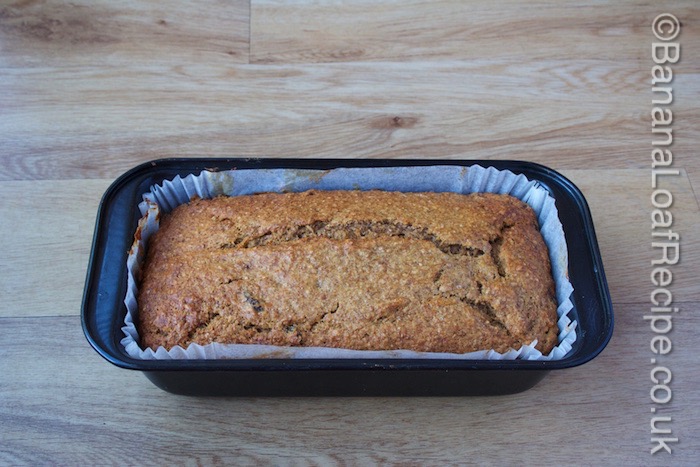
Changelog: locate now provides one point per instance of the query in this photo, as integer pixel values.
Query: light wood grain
(89, 89)
(50, 225)
(482, 109)
(72, 397)
(311, 31)
(45, 33)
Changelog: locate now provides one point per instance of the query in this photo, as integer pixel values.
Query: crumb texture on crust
(431, 272)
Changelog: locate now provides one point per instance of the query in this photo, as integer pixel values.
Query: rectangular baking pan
(103, 308)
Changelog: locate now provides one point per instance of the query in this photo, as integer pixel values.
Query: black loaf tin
(103, 309)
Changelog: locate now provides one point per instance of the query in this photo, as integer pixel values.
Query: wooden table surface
(91, 88)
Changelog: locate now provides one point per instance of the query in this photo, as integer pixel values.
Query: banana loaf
(366, 270)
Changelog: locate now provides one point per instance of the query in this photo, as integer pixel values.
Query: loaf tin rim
(110, 350)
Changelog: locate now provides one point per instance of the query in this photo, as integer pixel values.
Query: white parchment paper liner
(165, 197)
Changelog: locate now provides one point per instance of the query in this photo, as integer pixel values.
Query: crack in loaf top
(455, 219)
(457, 273)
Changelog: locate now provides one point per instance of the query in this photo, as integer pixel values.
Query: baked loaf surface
(373, 270)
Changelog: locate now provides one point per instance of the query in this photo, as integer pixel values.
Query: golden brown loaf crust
(433, 272)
